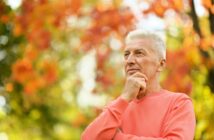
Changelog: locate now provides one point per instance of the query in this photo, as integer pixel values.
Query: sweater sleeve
(105, 125)
(178, 125)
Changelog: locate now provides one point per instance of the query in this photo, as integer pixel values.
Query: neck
(153, 86)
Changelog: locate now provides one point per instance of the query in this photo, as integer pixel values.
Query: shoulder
(176, 96)
(177, 99)
(180, 101)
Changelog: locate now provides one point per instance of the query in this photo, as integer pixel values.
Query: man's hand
(135, 86)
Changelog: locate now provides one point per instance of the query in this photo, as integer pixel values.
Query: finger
(141, 83)
(143, 79)
(139, 74)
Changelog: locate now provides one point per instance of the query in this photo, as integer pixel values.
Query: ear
(162, 65)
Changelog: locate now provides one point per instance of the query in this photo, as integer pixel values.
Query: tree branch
(195, 18)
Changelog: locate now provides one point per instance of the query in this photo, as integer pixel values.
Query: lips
(132, 70)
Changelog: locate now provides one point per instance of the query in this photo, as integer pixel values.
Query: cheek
(145, 62)
(147, 65)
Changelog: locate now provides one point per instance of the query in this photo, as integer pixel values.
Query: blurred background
(61, 61)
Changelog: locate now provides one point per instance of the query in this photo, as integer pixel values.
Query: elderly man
(144, 111)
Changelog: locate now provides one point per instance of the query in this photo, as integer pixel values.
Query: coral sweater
(158, 116)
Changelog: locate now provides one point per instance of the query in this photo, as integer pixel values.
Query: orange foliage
(28, 6)
(105, 22)
(34, 22)
(207, 3)
(34, 26)
(34, 85)
(206, 43)
(177, 5)
(31, 52)
(158, 7)
(75, 6)
(31, 80)
(178, 72)
(17, 30)
(102, 54)
(22, 70)
(104, 79)
(110, 18)
(4, 18)
(2, 7)
(40, 38)
(9, 87)
(50, 73)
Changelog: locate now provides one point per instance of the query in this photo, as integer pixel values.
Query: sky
(14, 3)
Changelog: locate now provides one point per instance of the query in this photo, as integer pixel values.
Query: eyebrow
(135, 50)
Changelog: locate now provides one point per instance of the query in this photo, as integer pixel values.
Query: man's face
(140, 56)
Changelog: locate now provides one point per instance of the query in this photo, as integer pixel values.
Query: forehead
(135, 44)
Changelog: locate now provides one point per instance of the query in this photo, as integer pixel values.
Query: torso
(146, 117)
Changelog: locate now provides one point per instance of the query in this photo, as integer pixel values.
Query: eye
(126, 54)
(140, 53)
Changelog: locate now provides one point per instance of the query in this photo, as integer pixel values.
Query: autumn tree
(42, 42)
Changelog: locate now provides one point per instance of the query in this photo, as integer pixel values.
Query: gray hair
(159, 44)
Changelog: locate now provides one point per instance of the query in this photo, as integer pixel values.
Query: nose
(130, 60)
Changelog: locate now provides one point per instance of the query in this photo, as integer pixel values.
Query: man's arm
(106, 124)
(179, 124)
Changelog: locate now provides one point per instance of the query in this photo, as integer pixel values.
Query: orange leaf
(33, 85)
(40, 38)
(22, 70)
(4, 19)
(206, 43)
(31, 52)
(159, 8)
(207, 3)
(28, 6)
(17, 30)
(75, 6)
(9, 87)
(50, 72)
(177, 5)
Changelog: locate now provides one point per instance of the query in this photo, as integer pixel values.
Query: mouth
(131, 71)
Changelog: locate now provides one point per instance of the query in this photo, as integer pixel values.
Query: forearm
(179, 125)
(106, 124)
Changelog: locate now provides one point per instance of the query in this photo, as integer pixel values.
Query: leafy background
(61, 61)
